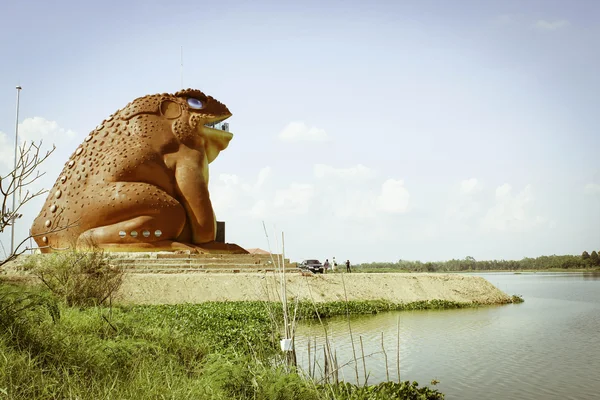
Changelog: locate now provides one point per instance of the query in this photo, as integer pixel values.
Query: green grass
(189, 351)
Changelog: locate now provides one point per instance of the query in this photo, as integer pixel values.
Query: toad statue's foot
(220, 248)
(164, 245)
(169, 245)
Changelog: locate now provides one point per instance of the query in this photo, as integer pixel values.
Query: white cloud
(263, 176)
(512, 213)
(592, 188)
(258, 210)
(520, 20)
(234, 198)
(229, 179)
(503, 191)
(322, 171)
(365, 204)
(229, 193)
(347, 202)
(355, 205)
(298, 131)
(352, 193)
(295, 199)
(394, 198)
(463, 204)
(470, 186)
(224, 192)
(255, 192)
(33, 130)
(38, 128)
(545, 25)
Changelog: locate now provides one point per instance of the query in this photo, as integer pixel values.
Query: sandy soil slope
(397, 287)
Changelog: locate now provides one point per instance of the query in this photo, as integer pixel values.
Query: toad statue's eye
(195, 103)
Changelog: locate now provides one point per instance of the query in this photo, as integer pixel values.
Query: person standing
(334, 265)
(326, 265)
(348, 266)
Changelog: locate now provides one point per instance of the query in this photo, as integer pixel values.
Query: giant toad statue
(139, 181)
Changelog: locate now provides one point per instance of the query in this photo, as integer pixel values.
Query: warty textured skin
(139, 181)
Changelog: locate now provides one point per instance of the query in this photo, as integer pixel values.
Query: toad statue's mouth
(218, 124)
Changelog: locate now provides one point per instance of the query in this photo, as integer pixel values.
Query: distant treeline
(585, 261)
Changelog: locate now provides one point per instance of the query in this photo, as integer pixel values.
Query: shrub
(80, 278)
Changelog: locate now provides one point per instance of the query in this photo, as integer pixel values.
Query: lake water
(545, 348)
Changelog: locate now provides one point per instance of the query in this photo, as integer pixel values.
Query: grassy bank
(194, 351)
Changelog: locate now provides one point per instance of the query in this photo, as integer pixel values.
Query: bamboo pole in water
(336, 366)
(290, 326)
(362, 350)
(283, 290)
(315, 359)
(387, 371)
(326, 375)
(309, 370)
(350, 330)
(398, 351)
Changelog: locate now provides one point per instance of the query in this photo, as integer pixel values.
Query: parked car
(313, 266)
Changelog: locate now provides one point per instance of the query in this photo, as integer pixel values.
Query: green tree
(594, 258)
(585, 255)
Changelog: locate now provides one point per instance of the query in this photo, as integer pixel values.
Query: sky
(369, 131)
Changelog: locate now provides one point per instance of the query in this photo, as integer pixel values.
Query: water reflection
(547, 347)
(594, 276)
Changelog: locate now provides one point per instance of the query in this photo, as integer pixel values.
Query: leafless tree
(17, 182)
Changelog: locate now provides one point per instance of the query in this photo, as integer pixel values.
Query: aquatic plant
(517, 298)
(385, 390)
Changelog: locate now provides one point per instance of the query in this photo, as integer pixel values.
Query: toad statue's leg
(131, 216)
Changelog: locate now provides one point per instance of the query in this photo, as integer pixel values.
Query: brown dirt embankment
(396, 287)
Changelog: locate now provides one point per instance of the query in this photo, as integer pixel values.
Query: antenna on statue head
(182, 68)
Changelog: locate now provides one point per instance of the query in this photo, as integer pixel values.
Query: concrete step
(171, 255)
(200, 266)
(198, 270)
(219, 256)
(188, 261)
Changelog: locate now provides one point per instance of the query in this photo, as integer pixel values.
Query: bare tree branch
(26, 172)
